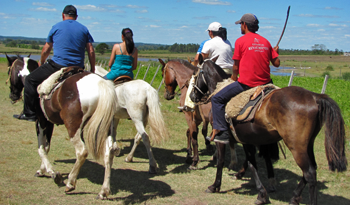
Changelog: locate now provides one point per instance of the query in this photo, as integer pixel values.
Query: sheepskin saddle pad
(52, 83)
(243, 106)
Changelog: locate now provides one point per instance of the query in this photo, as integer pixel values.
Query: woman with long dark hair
(123, 57)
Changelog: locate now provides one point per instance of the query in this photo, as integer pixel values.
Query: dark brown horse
(294, 115)
(85, 104)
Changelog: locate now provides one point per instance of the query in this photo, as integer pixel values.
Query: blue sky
(185, 21)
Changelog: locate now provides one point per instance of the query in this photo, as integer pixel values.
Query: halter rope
(185, 85)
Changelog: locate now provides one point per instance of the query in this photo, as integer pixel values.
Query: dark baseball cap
(70, 10)
(248, 18)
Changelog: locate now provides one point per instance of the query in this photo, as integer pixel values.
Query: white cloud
(141, 11)
(267, 27)
(154, 26)
(313, 25)
(316, 16)
(41, 4)
(231, 11)
(333, 24)
(135, 6)
(347, 35)
(44, 9)
(89, 8)
(332, 8)
(212, 2)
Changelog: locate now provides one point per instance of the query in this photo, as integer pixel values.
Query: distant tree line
(317, 49)
(23, 43)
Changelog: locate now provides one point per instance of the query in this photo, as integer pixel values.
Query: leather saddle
(68, 72)
(249, 110)
(122, 79)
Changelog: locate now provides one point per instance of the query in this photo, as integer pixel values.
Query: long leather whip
(284, 28)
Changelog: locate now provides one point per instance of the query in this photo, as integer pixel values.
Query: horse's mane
(219, 70)
(186, 64)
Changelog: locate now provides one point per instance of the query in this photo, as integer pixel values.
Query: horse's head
(169, 80)
(206, 79)
(200, 87)
(19, 68)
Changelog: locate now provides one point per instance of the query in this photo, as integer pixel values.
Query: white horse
(139, 101)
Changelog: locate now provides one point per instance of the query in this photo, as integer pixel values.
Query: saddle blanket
(55, 80)
(237, 104)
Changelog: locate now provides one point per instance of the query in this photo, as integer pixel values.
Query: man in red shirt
(252, 56)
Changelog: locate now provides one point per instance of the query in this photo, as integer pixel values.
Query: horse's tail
(97, 127)
(155, 118)
(330, 115)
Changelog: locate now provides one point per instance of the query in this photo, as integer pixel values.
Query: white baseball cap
(214, 26)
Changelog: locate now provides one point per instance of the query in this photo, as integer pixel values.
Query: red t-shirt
(255, 54)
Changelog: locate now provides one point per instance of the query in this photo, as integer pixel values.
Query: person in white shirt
(218, 45)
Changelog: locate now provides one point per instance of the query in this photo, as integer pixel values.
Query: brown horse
(177, 73)
(294, 115)
(85, 104)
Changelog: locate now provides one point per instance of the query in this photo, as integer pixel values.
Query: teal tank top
(122, 66)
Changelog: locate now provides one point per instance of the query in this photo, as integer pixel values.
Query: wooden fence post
(155, 75)
(160, 85)
(149, 65)
(324, 84)
(138, 71)
(291, 78)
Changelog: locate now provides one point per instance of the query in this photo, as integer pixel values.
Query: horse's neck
(183, 76)
(213, 77)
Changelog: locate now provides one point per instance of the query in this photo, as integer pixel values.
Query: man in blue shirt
(69, 39)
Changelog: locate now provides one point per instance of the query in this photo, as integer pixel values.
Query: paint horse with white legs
(86, 104)
(137, 100)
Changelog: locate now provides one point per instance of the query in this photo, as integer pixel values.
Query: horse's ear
(8, 58)
(29, 55)
(214, 59)
(161, 61)
(200, 59)
(189, 60)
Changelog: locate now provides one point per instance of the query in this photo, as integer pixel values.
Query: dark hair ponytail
(129, 41)
(222, 33)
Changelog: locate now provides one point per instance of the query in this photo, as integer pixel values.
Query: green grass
(130, 182)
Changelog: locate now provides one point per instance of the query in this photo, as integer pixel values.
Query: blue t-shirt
(201, 46)
(69, 40)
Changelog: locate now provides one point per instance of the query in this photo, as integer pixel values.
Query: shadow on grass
(139, 183)
(287, 182)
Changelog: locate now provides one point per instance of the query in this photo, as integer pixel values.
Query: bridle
(200, 71)
(167, 91)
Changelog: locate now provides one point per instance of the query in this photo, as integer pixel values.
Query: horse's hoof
(295, 200)
(100, 197)
(69, 189)
(211, 190)
(152, 170)
(258, 202)
(192, 168)
(128, 160)
(57, 177)
(38, 175)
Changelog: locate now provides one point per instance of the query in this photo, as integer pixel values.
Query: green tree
(101, 48)
(11, 44)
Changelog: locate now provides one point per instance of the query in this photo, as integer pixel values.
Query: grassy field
(130, 182)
